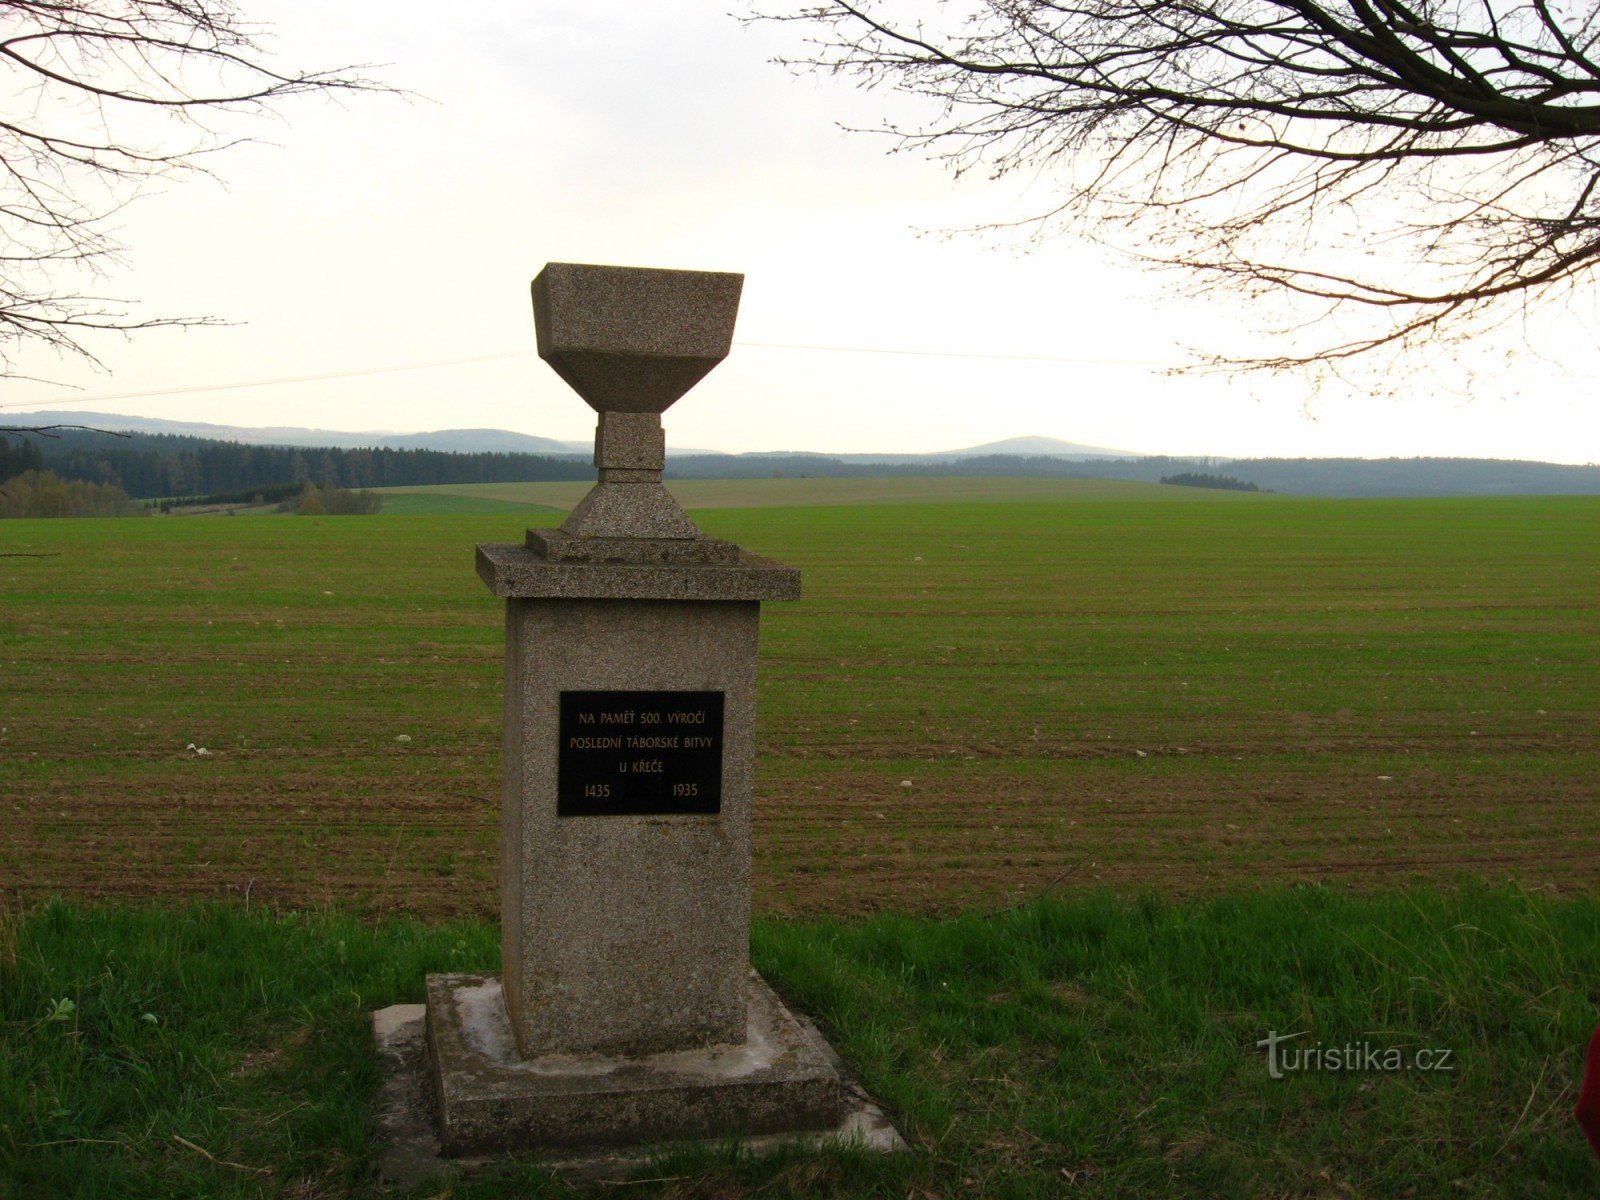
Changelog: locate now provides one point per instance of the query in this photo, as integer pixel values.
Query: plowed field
(973, 702)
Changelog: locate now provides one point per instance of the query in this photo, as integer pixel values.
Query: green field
(802, 492)
(437, 503)
(976, 698)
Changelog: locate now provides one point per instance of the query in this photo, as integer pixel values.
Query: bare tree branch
(1238, 139)
(53, 431)
(96, 98)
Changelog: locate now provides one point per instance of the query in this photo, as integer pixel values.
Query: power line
(482, 358)
(974, 354)
(253, 383)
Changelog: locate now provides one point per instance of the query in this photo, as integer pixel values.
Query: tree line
(44, 494)
(148, 466)
(1202, 479)
(18, 454)
(314, 501)
(206, 471)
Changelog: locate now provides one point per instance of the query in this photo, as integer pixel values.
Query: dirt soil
(832, 837)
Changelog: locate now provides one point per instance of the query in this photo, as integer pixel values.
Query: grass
(1178, 695)
(1095, 1046)
(197, 1052)
(803, 492)
(434, 502)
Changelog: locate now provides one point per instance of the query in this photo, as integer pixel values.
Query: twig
(287, 1111)
(79, 1142)
(633, 1182)
(1038, 895)
(20, 554)
(388, 864)
(221, 1162)
(1145, 1109)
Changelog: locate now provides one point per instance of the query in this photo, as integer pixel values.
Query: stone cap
(517, 573)
(633, 339)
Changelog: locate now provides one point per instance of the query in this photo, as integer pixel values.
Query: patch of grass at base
(200, 1051)
(1097, 1046)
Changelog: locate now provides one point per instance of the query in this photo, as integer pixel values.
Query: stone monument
(626, 1012)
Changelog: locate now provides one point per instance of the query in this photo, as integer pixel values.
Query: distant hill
(460, 441)
(192, 457)
(1037, 447)
(1402, 477)
(1017, 447)
(1339, 477)
(481, 441)
(505, 441)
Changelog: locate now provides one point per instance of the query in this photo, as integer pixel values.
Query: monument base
(458, 1098)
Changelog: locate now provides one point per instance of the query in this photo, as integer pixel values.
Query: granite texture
(778, 1076)
(555, 546)
(631, 339)
(515, 572)
(624, 934)
(638, 509)
(630, 441)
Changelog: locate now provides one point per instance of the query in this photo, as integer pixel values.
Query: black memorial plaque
(639, 754)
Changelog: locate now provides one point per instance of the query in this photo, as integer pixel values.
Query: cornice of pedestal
(518, 573)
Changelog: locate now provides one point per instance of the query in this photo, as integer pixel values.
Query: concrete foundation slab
(488, 1097)
(410, 1151)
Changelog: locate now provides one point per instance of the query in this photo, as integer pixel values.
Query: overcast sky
(365, 239)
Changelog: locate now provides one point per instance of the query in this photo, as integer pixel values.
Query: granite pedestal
(626, 1011)
(626, 1014)
(629, 933)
